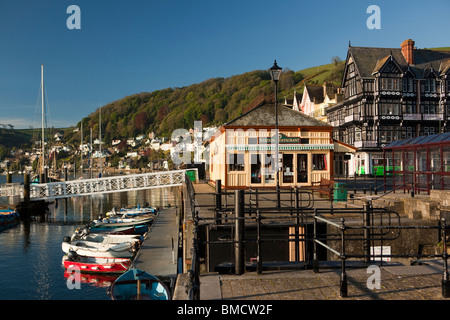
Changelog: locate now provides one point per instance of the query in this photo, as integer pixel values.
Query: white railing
(84, 187)
(11, 189)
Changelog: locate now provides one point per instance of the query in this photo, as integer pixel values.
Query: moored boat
(119, 230)
(85, 235)
(120, 222)
(136, 284)
(96, 264)
(101, 250)
(8, 216)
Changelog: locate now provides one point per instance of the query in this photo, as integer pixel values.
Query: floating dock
(158, 254)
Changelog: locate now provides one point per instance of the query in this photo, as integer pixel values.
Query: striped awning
(282, 147)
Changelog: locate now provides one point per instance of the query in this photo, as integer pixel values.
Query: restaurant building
(243, 152)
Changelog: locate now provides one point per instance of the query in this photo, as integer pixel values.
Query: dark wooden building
(390, 94)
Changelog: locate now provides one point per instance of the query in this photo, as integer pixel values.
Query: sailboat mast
(100, 139)
(42, 141)
(81, 148)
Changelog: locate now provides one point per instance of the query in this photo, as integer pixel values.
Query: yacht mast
(100, 138)
(42, 141)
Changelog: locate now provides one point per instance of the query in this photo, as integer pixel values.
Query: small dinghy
(8, 215)
(136, 284)
(120, 222)
(95, 264)
(101, 250)
(85, 235)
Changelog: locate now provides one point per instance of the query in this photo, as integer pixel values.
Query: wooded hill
(213, 102)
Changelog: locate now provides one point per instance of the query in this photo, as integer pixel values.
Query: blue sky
(127, 47)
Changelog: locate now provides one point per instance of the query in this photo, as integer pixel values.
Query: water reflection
(31, 255)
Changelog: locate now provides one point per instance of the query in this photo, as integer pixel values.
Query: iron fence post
(239, 232)
(367, 207)
(343, 280)
(218, 201)
(258, 242)
(315, 255)
(445, 276)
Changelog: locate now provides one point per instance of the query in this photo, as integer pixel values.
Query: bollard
(239, 263)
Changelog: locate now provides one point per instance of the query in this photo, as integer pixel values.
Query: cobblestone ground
(307, 285)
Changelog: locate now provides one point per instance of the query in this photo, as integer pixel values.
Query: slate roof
(369, 59)
(315, 93)
(264, 115)
(421, 140)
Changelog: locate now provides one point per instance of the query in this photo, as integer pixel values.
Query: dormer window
(390, 84)
(429, 85)
(408, 84)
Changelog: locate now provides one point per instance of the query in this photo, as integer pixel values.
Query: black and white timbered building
(390, 94)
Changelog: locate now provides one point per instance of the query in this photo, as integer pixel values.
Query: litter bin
(192, 175)
(340, 192)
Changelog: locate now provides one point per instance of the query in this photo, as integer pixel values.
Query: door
(288, 168)
(302, 168)
(255, 168)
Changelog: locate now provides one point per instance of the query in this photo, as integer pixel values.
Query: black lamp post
(275, 73)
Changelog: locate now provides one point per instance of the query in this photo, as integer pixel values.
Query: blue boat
(136, 284)
(8, 215)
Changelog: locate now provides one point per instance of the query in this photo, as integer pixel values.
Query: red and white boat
(96, 265)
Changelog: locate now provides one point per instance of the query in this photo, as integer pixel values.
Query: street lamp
(275, 73)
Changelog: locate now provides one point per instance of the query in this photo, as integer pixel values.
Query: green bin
(192, 175)
(340, 192)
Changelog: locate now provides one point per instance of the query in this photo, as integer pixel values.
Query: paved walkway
(397, 283)
(156, 255)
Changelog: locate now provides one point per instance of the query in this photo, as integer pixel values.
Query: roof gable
(264, 115)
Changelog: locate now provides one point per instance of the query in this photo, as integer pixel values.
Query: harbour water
(31, 254)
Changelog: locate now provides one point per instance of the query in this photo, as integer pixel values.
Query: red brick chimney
(408, 50)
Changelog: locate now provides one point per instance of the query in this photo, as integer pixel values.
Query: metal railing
(371, 233)
(238, 209)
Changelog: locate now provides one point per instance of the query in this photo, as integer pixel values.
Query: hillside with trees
(213, 101)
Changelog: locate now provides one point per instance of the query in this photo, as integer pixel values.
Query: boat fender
(85, 231)
(72, 255)
(67, 239)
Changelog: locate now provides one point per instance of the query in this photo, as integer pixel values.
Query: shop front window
(319, 161)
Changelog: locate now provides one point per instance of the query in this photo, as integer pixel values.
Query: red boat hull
(116, 265)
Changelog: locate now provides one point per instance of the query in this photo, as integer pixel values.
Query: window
(409, 107)
(390, 84)
(319, 161)
(351, 87)
(236, 162)
(408, 132)
(429, 85)
(408, 84)
(390, 109)
(428, 107)
(388, 134)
